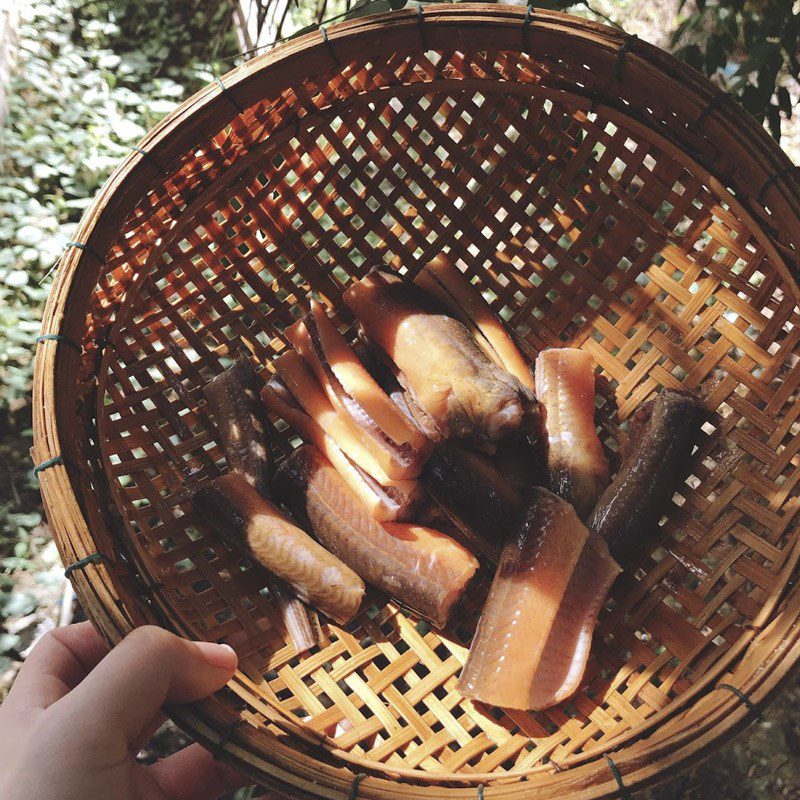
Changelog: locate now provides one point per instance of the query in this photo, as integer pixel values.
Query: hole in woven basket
(226, 615)
(203, 585)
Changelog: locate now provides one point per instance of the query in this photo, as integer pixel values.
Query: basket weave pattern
(576, 189)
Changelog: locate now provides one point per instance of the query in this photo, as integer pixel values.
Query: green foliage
(750, 47)
(92, 79)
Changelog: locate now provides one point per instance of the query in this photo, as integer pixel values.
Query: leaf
(785, 101)
(16, 278)
(692, 55)
(9, 641)
(16, 604)
(752, 101)
(773, 116)
(29, 520)
(716, 54)
(30, 234)
(679, 32)
(366, 9)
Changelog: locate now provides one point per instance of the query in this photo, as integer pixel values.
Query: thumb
(149, 668)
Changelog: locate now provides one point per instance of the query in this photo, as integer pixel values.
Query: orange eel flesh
(442, 366)
(420, 567)
(577, 468)
(239, 514)
(532, 643)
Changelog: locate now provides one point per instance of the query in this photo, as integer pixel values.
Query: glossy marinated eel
(420, 567)
(241, 421)
(577, 468)
(439, 362)
(388, 502)
(238, 513)
(532, 643)
(396, 444)
(473, 494)
(451, 287)
(630, 508)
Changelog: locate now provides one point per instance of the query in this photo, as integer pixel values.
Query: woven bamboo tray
(608, 197)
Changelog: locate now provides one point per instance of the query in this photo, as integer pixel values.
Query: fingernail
(220, 656)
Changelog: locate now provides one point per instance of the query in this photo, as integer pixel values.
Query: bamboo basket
(605, 196)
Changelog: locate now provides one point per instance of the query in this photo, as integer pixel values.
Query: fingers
(148, 668)
(193, 774)
(59, 662)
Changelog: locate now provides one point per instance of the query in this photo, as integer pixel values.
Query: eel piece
(473, 494)
(396, 444)
(441, 278)
(233, 399)
(576, 465)
(518, 460)
(443, 368)
(532, 643)
(300, 381)
(639, 421)
(388, 377)
(630, 508)
(419, 567)
(395, 501)
(240, 515)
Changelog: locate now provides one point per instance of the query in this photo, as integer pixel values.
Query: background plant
(91, 79)
(749, 46)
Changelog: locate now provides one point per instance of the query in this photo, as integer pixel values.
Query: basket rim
(71, 528)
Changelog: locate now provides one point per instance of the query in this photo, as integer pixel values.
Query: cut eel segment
(233, 399)
(303, 386)
(450, 286)
(662, 442)
(392, 502)
(239, 514)
(397, 445)
(242, 424)
(420, 567)
(532, 643)
(474, 495)
(577, 468)
(446, 372)
(385, 374)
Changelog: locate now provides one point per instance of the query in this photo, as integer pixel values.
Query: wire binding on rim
(421, 21)
(621, 53)
(623, 789)
(354, 786)
(58, 337)
(226, 93)
(714, 103)
(526, 26)
(51, 462)
(86, 249)
(779, 174)
(149, 157)
(92, 558)
(741, 697)
(225, 737)
(330, 45)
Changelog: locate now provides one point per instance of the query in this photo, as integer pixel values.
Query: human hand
(78, 714)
